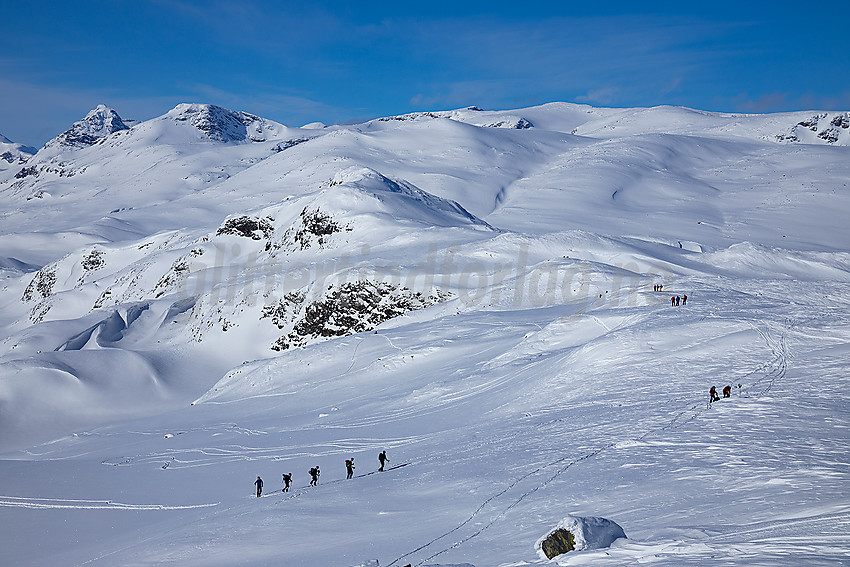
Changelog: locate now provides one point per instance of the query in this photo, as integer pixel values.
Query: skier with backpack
(382, 458)
(259, 483)
(314, 476)
(287, 479)
(712, 394)
(349, 467)
(727, 391)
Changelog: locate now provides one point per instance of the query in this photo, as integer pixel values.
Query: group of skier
(675, 300)
(314, 474)
(727, 393)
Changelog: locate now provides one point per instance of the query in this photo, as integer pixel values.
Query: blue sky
(299, 62)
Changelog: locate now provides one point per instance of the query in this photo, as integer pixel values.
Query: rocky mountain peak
(98, 123)
(223, 125)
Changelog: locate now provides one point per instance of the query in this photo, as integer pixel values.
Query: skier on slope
(259, 483)
(382, 458)
(684, 299)
(673, 301)
(287, 479)
(727, 391)
(349, 467)
(314, 476)
(712, 394)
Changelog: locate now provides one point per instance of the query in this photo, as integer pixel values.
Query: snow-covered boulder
(578, 533)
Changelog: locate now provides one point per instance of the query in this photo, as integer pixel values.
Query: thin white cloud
(602, 60)
(605, 95)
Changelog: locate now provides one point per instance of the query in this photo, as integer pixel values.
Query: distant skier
(678, 299)
(684, 299)
(712, 394)
(660, 287)
(673, 301)
(314, 476)
(382, 457)
(287, 480)
(259, 483)
(349, 467)
(727, 391)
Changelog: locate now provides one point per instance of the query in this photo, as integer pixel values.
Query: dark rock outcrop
(559, 542)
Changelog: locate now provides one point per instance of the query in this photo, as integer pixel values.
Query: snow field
(551, 381)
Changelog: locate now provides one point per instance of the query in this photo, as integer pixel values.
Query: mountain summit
(98, 123)
(223, 125)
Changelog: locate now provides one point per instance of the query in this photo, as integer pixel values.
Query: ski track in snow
(772, 370)
(762, 379)
(60, 503)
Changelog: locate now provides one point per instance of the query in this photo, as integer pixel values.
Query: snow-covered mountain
(98, 124)
(12, 154)
(197, 299)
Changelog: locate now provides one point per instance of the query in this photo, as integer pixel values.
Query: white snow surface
(12, 154)
(208, 296)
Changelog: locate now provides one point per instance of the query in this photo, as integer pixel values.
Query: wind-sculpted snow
(208, 296)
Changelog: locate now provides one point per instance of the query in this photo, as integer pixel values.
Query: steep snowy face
(98, 123)
(223, 125)
(365, 191)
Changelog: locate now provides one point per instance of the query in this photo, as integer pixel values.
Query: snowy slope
(208, 296)
(12, 154)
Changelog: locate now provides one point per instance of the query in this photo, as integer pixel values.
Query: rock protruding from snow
(98, 123)
(471, 115)
(352, 307)
(822, 128)
(255, 228)
(312, 226)
(557, 543)
(578, 533)
(223, 125)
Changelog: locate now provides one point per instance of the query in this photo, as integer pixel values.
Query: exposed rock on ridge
(98, 123)
(223, 125)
